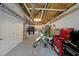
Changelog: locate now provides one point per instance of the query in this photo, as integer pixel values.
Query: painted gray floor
(25, 49)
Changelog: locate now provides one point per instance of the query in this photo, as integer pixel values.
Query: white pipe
(48, 9)
(29, 12)
(42, 12)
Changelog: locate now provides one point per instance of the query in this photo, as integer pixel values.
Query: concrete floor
(25, 49)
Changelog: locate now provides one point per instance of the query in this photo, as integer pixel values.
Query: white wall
(11, 31)
(71, 20)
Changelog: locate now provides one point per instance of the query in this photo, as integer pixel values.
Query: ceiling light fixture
(37, 20)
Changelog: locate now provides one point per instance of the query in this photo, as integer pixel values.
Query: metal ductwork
(9, 11)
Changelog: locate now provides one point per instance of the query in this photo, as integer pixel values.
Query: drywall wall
(71, 20)
(11, 31)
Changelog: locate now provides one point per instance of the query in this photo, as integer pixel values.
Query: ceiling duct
(7, 10)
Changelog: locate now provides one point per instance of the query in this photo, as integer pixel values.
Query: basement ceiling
(44, 11)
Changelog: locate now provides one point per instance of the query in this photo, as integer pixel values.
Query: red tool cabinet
(58, 39)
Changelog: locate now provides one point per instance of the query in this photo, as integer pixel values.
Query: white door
(0, 36)
(10, 32)
(8, 38)
(3, 35)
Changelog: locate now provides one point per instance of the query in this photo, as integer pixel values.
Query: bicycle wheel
(35, 44)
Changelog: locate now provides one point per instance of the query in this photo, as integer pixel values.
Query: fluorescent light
(37, 20)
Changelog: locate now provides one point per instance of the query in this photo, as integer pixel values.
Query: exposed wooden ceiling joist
(46, 13)
(59, 5)
(48, 9)
(38, 12)
(33, 8)
(42, 12)
(29, 13)
(27, 8)
(67, 12)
